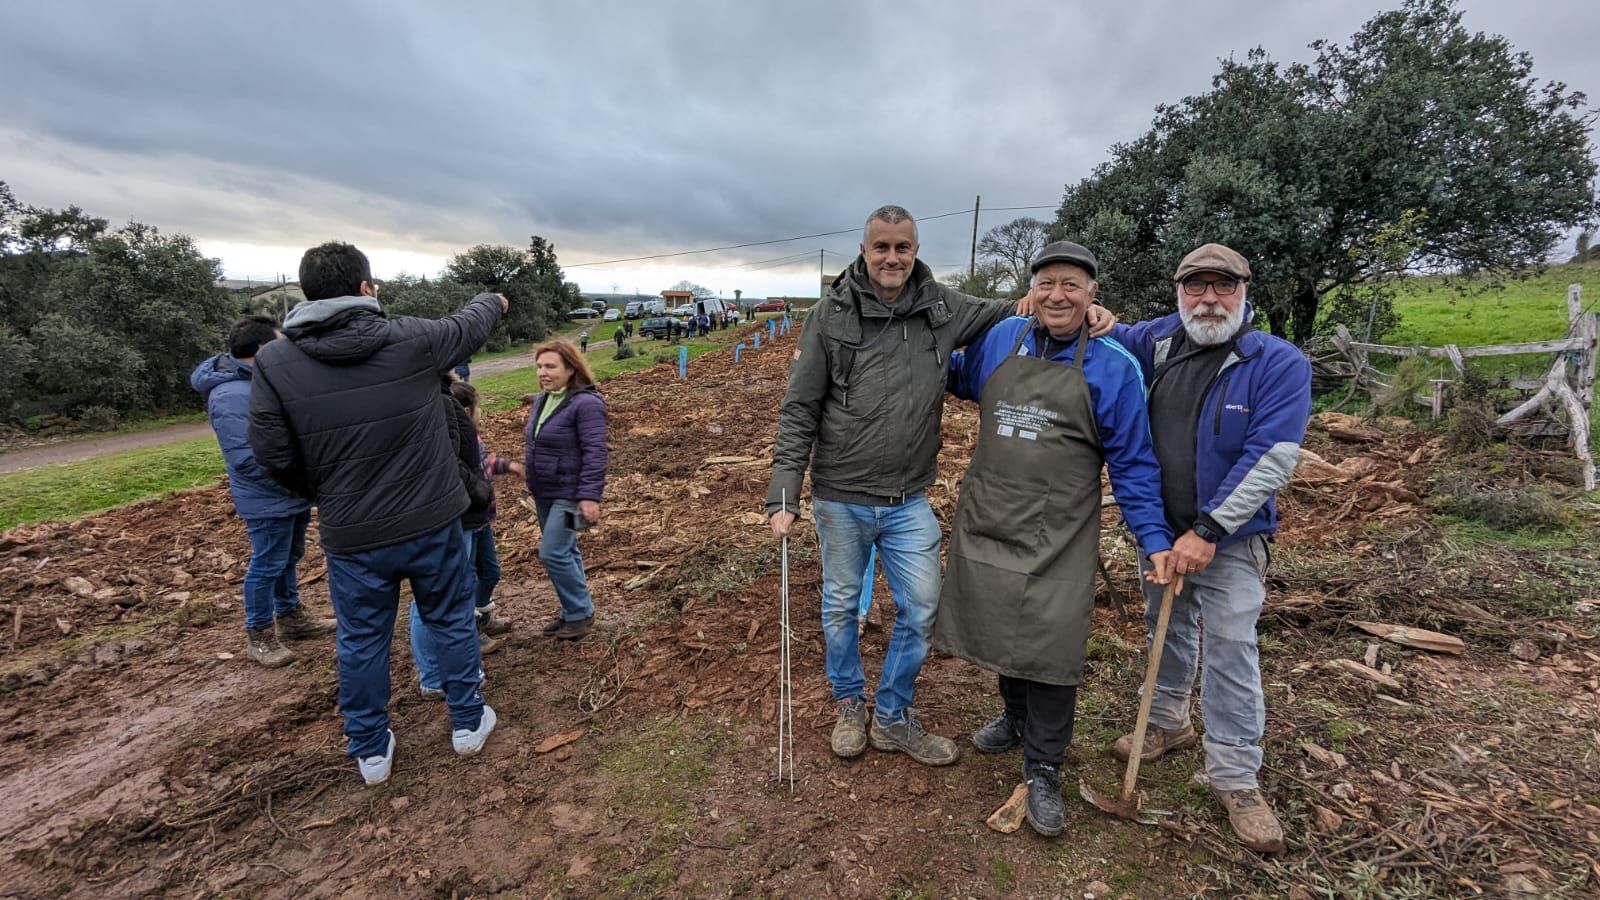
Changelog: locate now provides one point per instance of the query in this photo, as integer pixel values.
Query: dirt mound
(139, 753)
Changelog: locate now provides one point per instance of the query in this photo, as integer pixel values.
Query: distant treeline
(97, 324)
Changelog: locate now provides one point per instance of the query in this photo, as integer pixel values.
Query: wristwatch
(1205, 531)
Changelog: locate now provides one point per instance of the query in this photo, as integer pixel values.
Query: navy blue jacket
(225, 384)
(1252, 422)
(567, 461)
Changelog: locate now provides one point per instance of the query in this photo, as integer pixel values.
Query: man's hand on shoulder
(1101, 320)
(505, 305)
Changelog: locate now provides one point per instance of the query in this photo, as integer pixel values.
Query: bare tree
(1012, 247)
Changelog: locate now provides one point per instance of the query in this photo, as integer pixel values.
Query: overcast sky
(622, 129)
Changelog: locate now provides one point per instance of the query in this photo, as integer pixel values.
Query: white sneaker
(468, 742)
(375, 769)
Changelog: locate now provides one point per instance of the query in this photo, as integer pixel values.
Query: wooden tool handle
(1157, 645)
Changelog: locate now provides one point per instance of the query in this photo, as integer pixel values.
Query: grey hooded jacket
(348, 412)
(866, 386)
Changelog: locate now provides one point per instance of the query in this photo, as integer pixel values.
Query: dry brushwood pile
(1432, 714)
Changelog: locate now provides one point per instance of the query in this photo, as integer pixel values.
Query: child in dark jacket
(478, 468)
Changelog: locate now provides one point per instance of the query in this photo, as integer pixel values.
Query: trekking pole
(785, 685)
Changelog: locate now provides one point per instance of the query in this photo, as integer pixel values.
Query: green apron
(1019, 583)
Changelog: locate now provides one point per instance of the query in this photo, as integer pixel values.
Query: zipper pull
(905, 333)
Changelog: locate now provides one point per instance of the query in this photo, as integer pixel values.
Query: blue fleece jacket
(225, 383)
(1117, 394)
(1252, 422)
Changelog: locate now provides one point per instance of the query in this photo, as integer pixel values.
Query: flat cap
(1213, 258)
(1066, 252)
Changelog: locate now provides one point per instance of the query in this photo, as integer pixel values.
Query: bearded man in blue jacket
(275, 518)
(1228, 411)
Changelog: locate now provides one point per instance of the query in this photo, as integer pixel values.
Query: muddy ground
(140, 754)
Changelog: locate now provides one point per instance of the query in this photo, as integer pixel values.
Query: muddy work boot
(909, 737)
(296, 625)
(266, 649)
(553, 626)
(1253, 820)
(1000, 735)
(1045, 806)
(1158, 742)
(572, 629)
(850, 732)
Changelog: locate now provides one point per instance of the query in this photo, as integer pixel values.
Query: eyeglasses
(1224, 287)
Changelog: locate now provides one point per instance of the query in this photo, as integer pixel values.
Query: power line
(802, 237)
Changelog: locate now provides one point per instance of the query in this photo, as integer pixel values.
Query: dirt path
(74, 450)
(141, 755)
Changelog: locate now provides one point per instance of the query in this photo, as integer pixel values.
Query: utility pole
(822, 270)
(972, 262)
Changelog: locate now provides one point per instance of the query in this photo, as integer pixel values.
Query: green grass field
(80, 488)
(1532, 309)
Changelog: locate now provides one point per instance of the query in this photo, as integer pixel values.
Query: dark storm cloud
(625, 128)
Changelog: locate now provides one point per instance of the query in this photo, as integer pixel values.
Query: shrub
(1532, 507)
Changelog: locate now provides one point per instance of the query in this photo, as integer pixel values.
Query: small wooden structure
(1566, 387)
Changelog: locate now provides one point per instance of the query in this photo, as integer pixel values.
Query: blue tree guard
(736, 350)
(772, 328)
(866, 588)
(758, 339)
(683, 362)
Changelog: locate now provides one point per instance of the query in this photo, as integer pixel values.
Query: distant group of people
(361, 416)
(1196, 416)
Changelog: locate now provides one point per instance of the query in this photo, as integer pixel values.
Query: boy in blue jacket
(275, 519)
(1228, 411)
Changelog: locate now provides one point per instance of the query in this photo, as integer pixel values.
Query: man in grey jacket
(866, 390)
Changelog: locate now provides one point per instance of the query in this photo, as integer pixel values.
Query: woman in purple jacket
(565, 468)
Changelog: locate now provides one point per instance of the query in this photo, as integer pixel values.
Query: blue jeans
(907, 541)
(486, 563)
(423, 654)
(1224, 601)
(365, 588)
(271, 587)
(558, 550)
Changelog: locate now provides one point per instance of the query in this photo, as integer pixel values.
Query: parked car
(769, 306)
(612, 314)
(633, 310)
(686, 309)
(659, 327)
(599, 306)
(583, 312)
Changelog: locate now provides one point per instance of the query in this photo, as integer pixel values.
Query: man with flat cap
(1228, 411)
(1019, 584)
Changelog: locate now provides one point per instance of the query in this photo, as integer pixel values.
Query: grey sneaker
(850, 732)
(1000, 735)
(909, 737)
(1045, 807)
(489, 623)
(266, 649)
(1158, 742)
(296, 625)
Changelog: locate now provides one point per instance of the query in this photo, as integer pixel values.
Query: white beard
(1207, 334)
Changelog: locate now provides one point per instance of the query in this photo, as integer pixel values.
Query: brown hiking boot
(552, 626)
(909, 737)
(1252, 819)
(850, 732)
(489, 623)
(295, 625)
(266, 649)
(1158, 742)
(573, 629)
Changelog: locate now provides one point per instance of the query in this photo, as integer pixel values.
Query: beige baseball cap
(1213, 258)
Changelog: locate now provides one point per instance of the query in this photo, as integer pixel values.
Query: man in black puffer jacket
(347, 412)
